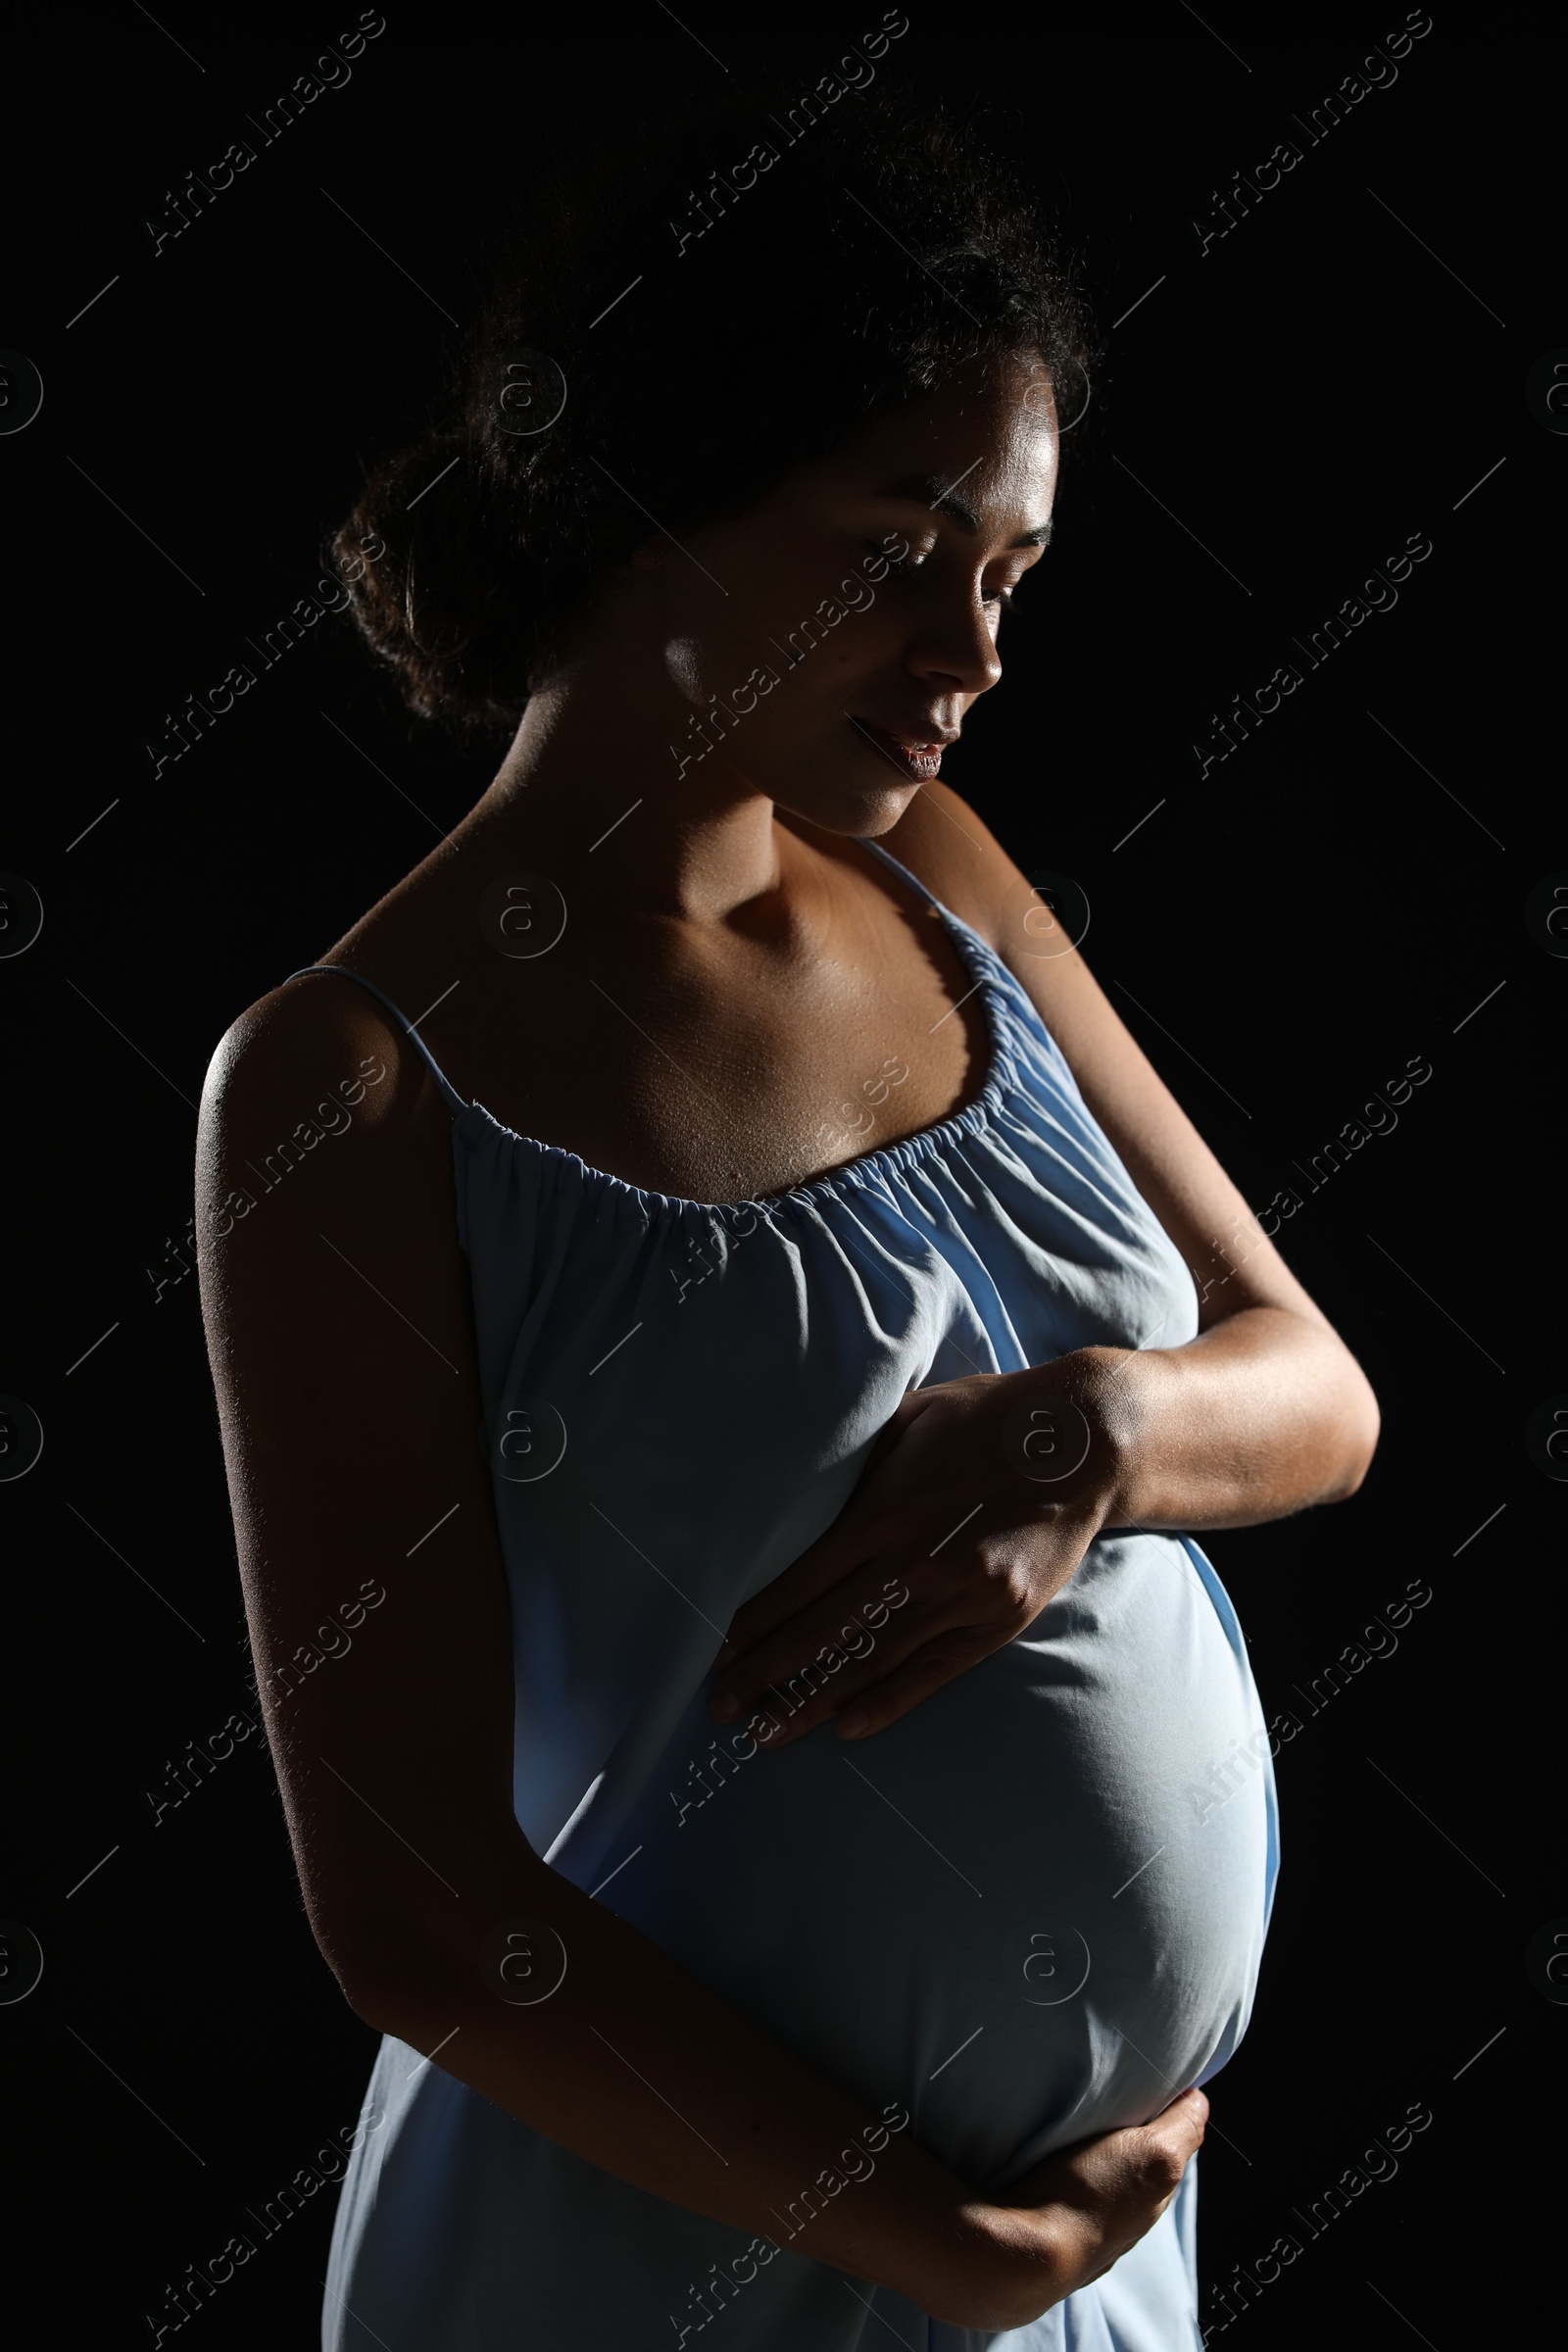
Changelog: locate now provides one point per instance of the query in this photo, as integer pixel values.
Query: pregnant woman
(720, 1276)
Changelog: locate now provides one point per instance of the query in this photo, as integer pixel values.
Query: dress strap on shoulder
(450, 1094)
(913, 880)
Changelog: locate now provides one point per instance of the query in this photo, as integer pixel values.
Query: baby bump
(1031, 1910)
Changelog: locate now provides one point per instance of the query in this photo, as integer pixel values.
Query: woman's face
(826, 644)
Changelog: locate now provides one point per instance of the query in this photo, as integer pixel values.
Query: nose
(956, 653)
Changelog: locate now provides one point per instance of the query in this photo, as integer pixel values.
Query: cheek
(779, 671)
(713, 666)
(686, 668)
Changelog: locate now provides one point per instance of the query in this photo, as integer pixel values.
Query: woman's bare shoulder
(314, 1060)
(307, 1038)
(941, 839)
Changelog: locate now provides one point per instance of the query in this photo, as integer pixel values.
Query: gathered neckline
(867, 1167)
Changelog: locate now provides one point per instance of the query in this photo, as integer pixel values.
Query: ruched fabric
(1032, 1910)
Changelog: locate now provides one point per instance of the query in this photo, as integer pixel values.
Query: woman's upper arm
(339, 1332)
(1232, 1261)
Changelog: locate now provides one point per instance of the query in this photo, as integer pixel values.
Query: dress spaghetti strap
(450, 1094)
(913, 880)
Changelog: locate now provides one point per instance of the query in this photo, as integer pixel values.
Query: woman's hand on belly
(977, 1502)
(1064, 2224)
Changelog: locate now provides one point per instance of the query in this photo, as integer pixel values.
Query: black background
(1275, 418)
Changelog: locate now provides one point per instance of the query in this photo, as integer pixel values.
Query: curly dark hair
(715, 303)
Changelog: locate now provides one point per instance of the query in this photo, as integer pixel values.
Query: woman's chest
(720, 1076)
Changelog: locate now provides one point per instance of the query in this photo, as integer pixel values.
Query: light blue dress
(1030, 1911)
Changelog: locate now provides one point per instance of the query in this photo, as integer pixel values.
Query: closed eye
(898, 567)
(904, 568)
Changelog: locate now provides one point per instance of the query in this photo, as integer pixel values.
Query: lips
(917, 757)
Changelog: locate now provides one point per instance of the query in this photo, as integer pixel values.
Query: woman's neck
(581, 795)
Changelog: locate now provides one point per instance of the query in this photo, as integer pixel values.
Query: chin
(859, 814)
(864, 802)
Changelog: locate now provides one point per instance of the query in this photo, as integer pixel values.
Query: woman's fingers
(1189, 2110)
(956, 1646)
(1144, 2161)
(936, 1662)
(1176, 2134)
(806, 1671)
(1100, 2197)
(838, 1550)
(821, 1634)
(886, 1642)
(822, 1565)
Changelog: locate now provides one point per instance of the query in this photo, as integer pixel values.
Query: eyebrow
(929, 491)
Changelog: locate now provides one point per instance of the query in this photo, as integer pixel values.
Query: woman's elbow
(1360, 1426)
(399, 2002)
(391, 1981)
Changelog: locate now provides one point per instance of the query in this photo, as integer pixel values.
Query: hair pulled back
(672, 327)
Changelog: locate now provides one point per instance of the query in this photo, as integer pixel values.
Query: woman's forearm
(1262, 1414)
(636, 2066)
(1258, 1416)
